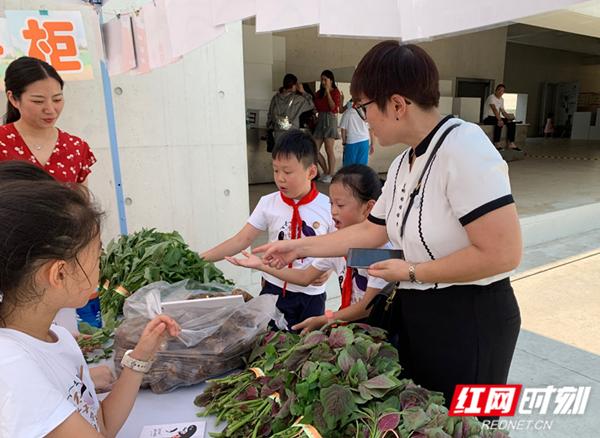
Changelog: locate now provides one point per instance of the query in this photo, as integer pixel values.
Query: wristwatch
(139, 366)
(412, 274)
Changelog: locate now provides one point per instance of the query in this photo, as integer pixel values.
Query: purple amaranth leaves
(338, 404)
(340, 337)
(322, 353)
(307, 369)
(345, 361)
(414, 395)
(414, 418)
(251, 393)
(313, 339)
(269, 336)
(388, 421)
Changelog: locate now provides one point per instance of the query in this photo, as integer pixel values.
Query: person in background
(353, 192)
(101, 375)
(35, 100)
(549, 126)
(308, 119)
(496, 115)
(328, 101)
(49, 259)
(357, 137)
(287, 106)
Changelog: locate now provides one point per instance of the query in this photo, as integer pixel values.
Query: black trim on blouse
(486, 208)
(376, 220)
(422, 147)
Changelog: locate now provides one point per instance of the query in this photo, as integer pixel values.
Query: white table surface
(174, 407)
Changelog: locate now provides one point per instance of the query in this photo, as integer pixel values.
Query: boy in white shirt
(296, 210)
(357, 137)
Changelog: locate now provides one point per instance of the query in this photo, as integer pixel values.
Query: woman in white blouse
(447, 204)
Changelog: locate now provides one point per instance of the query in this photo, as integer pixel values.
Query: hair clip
(1, 296)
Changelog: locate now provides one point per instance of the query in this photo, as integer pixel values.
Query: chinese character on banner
(53, 42)
(57, 37)
(3, 38)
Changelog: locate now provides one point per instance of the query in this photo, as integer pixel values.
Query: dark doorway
(467, 87)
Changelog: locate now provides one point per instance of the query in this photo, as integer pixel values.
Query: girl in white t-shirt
(353, 192)
(49, 259)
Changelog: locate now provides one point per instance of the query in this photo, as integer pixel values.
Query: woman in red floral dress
(34, 92)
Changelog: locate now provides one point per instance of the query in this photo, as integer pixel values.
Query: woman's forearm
(358, 310)
(466, 265)
(363, 235)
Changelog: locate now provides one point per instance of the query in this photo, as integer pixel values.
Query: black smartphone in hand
(365, 257)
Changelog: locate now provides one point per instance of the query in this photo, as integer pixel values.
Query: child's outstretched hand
(154, 334)
(250, 261)
(310, 324)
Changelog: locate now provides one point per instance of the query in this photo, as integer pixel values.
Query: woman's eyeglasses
(362, 108)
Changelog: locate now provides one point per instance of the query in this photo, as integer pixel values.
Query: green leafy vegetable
(135, 260)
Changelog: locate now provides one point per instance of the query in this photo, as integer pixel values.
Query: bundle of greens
(97, 343)
(342, 381)
(144, 257)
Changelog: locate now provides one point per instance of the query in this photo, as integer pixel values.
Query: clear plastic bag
(210, 344)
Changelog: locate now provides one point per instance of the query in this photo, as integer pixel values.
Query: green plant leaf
(358, 373)
(438, 432)
(340, 337)
(382, 381)
(345, 361)
(314, 338)
(414, 418)
(337, 404)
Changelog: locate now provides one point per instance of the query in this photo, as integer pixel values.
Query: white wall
(182, 140)
(475, 55)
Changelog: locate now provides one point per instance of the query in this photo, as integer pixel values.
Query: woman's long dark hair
(327, 74)
(19, 75)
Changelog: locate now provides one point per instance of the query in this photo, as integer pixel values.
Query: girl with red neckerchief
(35, 100)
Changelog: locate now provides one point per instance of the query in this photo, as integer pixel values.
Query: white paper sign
(118, 44)
(194, 429)
(226, 11)
(273, 15)
(358, 19)
(426, 19)
(190, 24)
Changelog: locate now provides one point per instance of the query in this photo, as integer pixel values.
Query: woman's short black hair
(500, 86)
(393, 68)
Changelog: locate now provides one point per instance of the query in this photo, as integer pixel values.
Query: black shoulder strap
(417, 188)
